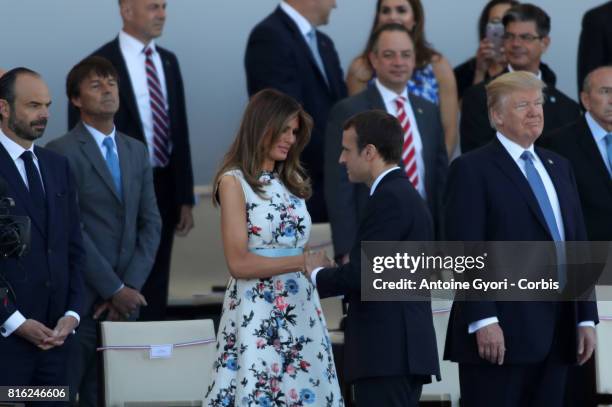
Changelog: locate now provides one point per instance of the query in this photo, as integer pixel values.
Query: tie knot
(399, 101)
(148, 52)
(27, 156)
(527, 156)
(108, 143)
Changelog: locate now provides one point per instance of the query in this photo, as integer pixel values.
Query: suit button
(49, 251)
(3, 330)
(47, 284)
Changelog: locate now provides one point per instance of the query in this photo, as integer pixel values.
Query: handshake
(314, 260)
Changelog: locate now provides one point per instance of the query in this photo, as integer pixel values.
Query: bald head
(143, 19)
(596, 96)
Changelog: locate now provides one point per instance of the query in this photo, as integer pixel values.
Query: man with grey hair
(526, 39)
(515, 353)
(152, 110)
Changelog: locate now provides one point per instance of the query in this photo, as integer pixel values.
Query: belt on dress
(280, 252)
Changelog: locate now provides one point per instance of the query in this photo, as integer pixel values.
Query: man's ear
(5, 109)
(586, 101)
(546, 43)
(496, 117)
(76, 102)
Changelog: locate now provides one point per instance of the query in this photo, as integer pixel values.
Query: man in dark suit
(346, 201)
(525, 41)
(390, 347)
(595, 45)
(286, 52)
(515, 353)
(587, 144)
(152, 110)
(42, 291)
(121, 223)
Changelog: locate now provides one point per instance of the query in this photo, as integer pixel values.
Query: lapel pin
(419, 110)
(553, 99)
(550, 161)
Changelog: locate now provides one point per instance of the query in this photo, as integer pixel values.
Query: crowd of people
(369, 153)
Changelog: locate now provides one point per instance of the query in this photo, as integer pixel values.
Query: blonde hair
(502, 86)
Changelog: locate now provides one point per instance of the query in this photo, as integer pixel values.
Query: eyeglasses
(522, 37)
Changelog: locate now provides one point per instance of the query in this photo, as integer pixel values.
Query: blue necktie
(609, 148)
(112, 162)
(314, 48)
(537, 186)
(37, 192)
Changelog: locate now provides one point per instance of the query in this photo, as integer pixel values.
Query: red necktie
(408, 149)
(161, 121)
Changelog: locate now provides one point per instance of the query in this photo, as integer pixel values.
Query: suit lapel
(585, 140)
(299, 38)
(375, 100)
(126, 91)
(13, 178)
(563, 194)
(126, 167)
(507, 165)
(92, 152)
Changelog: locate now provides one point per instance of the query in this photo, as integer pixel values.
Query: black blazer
(595, 45)
(474, 125)
(48, 280)
(575, 142)
(385, 338)
(346, 201)
(489, 199)
(277, 56)
(127, 119)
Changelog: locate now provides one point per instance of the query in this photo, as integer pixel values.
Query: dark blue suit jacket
(277, 56)
(385, 338)
(489, 199)
(47, 281)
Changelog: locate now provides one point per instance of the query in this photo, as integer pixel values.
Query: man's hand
(127, 300)
(112, 315)
(316, 259)
(490, 341)
(186, 221)
(586, 343)
(65, 326)
(35, 333)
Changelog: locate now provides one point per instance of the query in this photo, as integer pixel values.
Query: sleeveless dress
(424, 84)
(273, 348)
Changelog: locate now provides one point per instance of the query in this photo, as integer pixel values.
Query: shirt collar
(538, 75)
(379, 178)
(598, 132)
(388, 95)
(303, 24)
(132, 45)
(14, 149)
(98, 135)
(514, 149)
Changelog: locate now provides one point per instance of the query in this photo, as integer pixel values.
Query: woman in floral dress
(273, 348)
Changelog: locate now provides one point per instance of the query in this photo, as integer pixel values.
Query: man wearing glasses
(525, 40)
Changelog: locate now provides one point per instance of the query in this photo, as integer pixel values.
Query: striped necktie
(408, 149)
(161, 122)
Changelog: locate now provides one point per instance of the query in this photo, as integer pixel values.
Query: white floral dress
(273, 348)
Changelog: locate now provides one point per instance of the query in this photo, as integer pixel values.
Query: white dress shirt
(515, 151)
(599, 135)
(302, 23)
(389, 97)
(134, 56)
(313, 275)
(15, 151)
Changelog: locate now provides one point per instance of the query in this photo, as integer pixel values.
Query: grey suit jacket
(121, 236)
(346, 201)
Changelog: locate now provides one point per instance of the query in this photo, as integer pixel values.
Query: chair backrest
(603, 353)
(136, 371)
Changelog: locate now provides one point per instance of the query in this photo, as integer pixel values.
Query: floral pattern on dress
(424, 84)
(273, 348)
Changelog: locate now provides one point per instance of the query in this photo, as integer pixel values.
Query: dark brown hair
(484, 15)
(380, 129)
(423, 51)
(98, 65)
(263, 121)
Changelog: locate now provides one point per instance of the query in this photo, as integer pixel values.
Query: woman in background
(433, 77)
(273, 347)
(488, 62)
